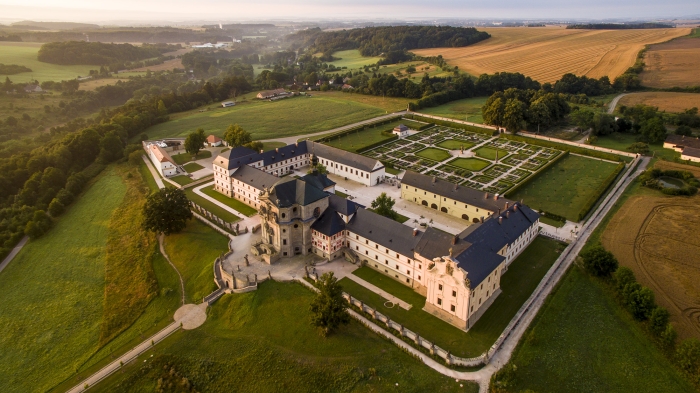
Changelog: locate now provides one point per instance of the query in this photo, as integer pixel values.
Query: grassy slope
(262, 341)
(460, 109)
(51, 302)
(265, 120)
(193, 252)
(517, 284)
(24, 53)
(387, 104)
(566, 186)
(582, 341)
(352, 59)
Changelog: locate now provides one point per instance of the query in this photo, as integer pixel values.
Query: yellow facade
(467, 212)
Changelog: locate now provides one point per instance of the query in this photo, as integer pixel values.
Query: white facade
(161, 161)
(354, 174)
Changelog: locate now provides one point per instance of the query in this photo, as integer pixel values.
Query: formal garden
(467, 157)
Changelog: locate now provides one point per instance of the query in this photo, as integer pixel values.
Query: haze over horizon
(182, 11)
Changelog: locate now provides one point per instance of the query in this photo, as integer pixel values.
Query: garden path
(249, 222)
(386, 295)
(161, 245)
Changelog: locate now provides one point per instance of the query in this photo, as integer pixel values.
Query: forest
(11, 69)
(98, 53)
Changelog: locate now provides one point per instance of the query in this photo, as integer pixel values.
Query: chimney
(508, 214)
(456, 187)
(486, 195)
(454, 239)
(507, 205)
(482, 219)
(415, 231)
(521, 201)
(261, 151)
(500, 220)
(277, 149)
(515, 207)
(296, 144)
(495, 197)
(434, 179)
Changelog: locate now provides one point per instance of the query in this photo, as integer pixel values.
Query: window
(440, 287)
(284, 241)
(454, 293)
(357, 237)
(376, 246)
(408, 280)
(296, 225)
(386, 262)
(439, 301)
(397, 267)
(452, 308)
(419, 277)
(487, 293)
(366, 252)
(357, 247)
(419, 266)
(366, 241)
(397, 254)
(408, 272)
(284, 215)
(472, 309)
(284, 231)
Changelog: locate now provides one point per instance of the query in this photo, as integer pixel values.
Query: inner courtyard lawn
(263, 341)
(455, 144)
(517, 284)
(230, 202)
(434, 154)
(193, 252)
(183, 157)
(192, 167)
(472, 164)
(491, 153)
(565, 187)
(51, 302)
(357, 140)
(267, 120)
(182, 179)
(582, 341)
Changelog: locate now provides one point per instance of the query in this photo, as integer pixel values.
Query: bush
(56, 208)
(65, 197)
(39, 225)
(599, 262)
(688, 358)
(623, 276)
(658, 320)
(641, 303)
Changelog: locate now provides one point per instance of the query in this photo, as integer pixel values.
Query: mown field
(387, 104)
(583, 341)
(352, 59)
(672, 64)
(620, 141)
(468, 109)
(517, 284)
(545, 54)
(24, 53)
(665, 101)
(262, 341)
(565, 187)
(266, 120)
(649, 234)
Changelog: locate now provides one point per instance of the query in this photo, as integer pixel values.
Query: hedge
(372, 146)
(561, 146)
(533, 175)
(446, 123)
(599, 191)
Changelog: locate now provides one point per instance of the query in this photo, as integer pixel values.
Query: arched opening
(465, 217)
(475, 220)
(443, 209)
(433, 206)
(424, 203)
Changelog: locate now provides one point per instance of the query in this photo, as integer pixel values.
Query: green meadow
(24, 53)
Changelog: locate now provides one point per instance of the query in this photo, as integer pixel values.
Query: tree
(623, 276)
(639, 148)
(111, 147)
(599, 262)
(135, 157)
(166, 211)
(514, 115)
(39, 225)
(582, 119)
(641, 303)
(384, 206)
(603, 124)
(653, 130)
(493, 109)
(684, 130)
(688, 357)
(254, 145)
(320, 168)
(195, 141)
(236, 136)
(162, 110)
(658, 319)
(328, 309)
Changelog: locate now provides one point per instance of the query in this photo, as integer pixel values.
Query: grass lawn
(472, 164)
(549, 221)
(192, 167)
(434, 154)
(267, 146)
(455, 144)
(183, 157)
(621, 142)
(182, 179)
(230, 202)
(25, 53)
(51, 303)
(262, 341)
(214, 209)
(341, 194)
(460, 109)
(147, 177)
(352, 59)
(565, 187)
(392, 171)
(267, 120)
(387, 104)
(193, 252)
(517, 284)
(362, 138)
(582, 341)
(399, 217)
(491, 153)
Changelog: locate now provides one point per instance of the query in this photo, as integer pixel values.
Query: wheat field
(673, 64)
(665, 101)
(545, 54)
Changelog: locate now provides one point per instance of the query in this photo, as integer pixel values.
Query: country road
(613, 103)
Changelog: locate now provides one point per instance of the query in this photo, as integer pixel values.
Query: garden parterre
(467, 158)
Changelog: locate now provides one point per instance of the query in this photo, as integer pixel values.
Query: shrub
(39, 225)
(623, 276)
(56, 208)
(641, 303)
(65, 197)
(658, 320)
(668, 337)
(688, 358)
(599, 262)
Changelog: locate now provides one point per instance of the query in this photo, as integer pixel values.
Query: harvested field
(650, 235)
(545, 54)
(669, 102)
(167, 65)
(672, 64)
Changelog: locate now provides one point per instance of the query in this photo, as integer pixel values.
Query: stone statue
(246, 260)
(256, 277)
(238, 267)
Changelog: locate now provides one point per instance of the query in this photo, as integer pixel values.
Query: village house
(214, 141)
(267, 94)
(688, 146)
(162, 161)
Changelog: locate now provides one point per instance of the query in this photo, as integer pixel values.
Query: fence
(209, 218)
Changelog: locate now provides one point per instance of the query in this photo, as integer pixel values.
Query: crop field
(468, 109)
(649, 234)
(583, 341)
(545, 54)
(516, 160)
(665, 101)
(565, 187)
(24, 53)
(262, 341)
(672, 64)
(266, 120)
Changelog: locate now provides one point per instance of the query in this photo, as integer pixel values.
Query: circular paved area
(191, 315)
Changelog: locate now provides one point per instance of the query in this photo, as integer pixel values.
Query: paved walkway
(386, 295)
(13, 253)
(246, 221)
(613, 103)
(292, 139)
(156, 175)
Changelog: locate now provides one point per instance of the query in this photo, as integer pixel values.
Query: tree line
(98, 53)
(11, 69)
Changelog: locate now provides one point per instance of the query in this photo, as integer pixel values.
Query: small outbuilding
(214, 141)
(401, 131)
(227, 104)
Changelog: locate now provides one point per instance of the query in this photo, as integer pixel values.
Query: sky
(232, 10)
